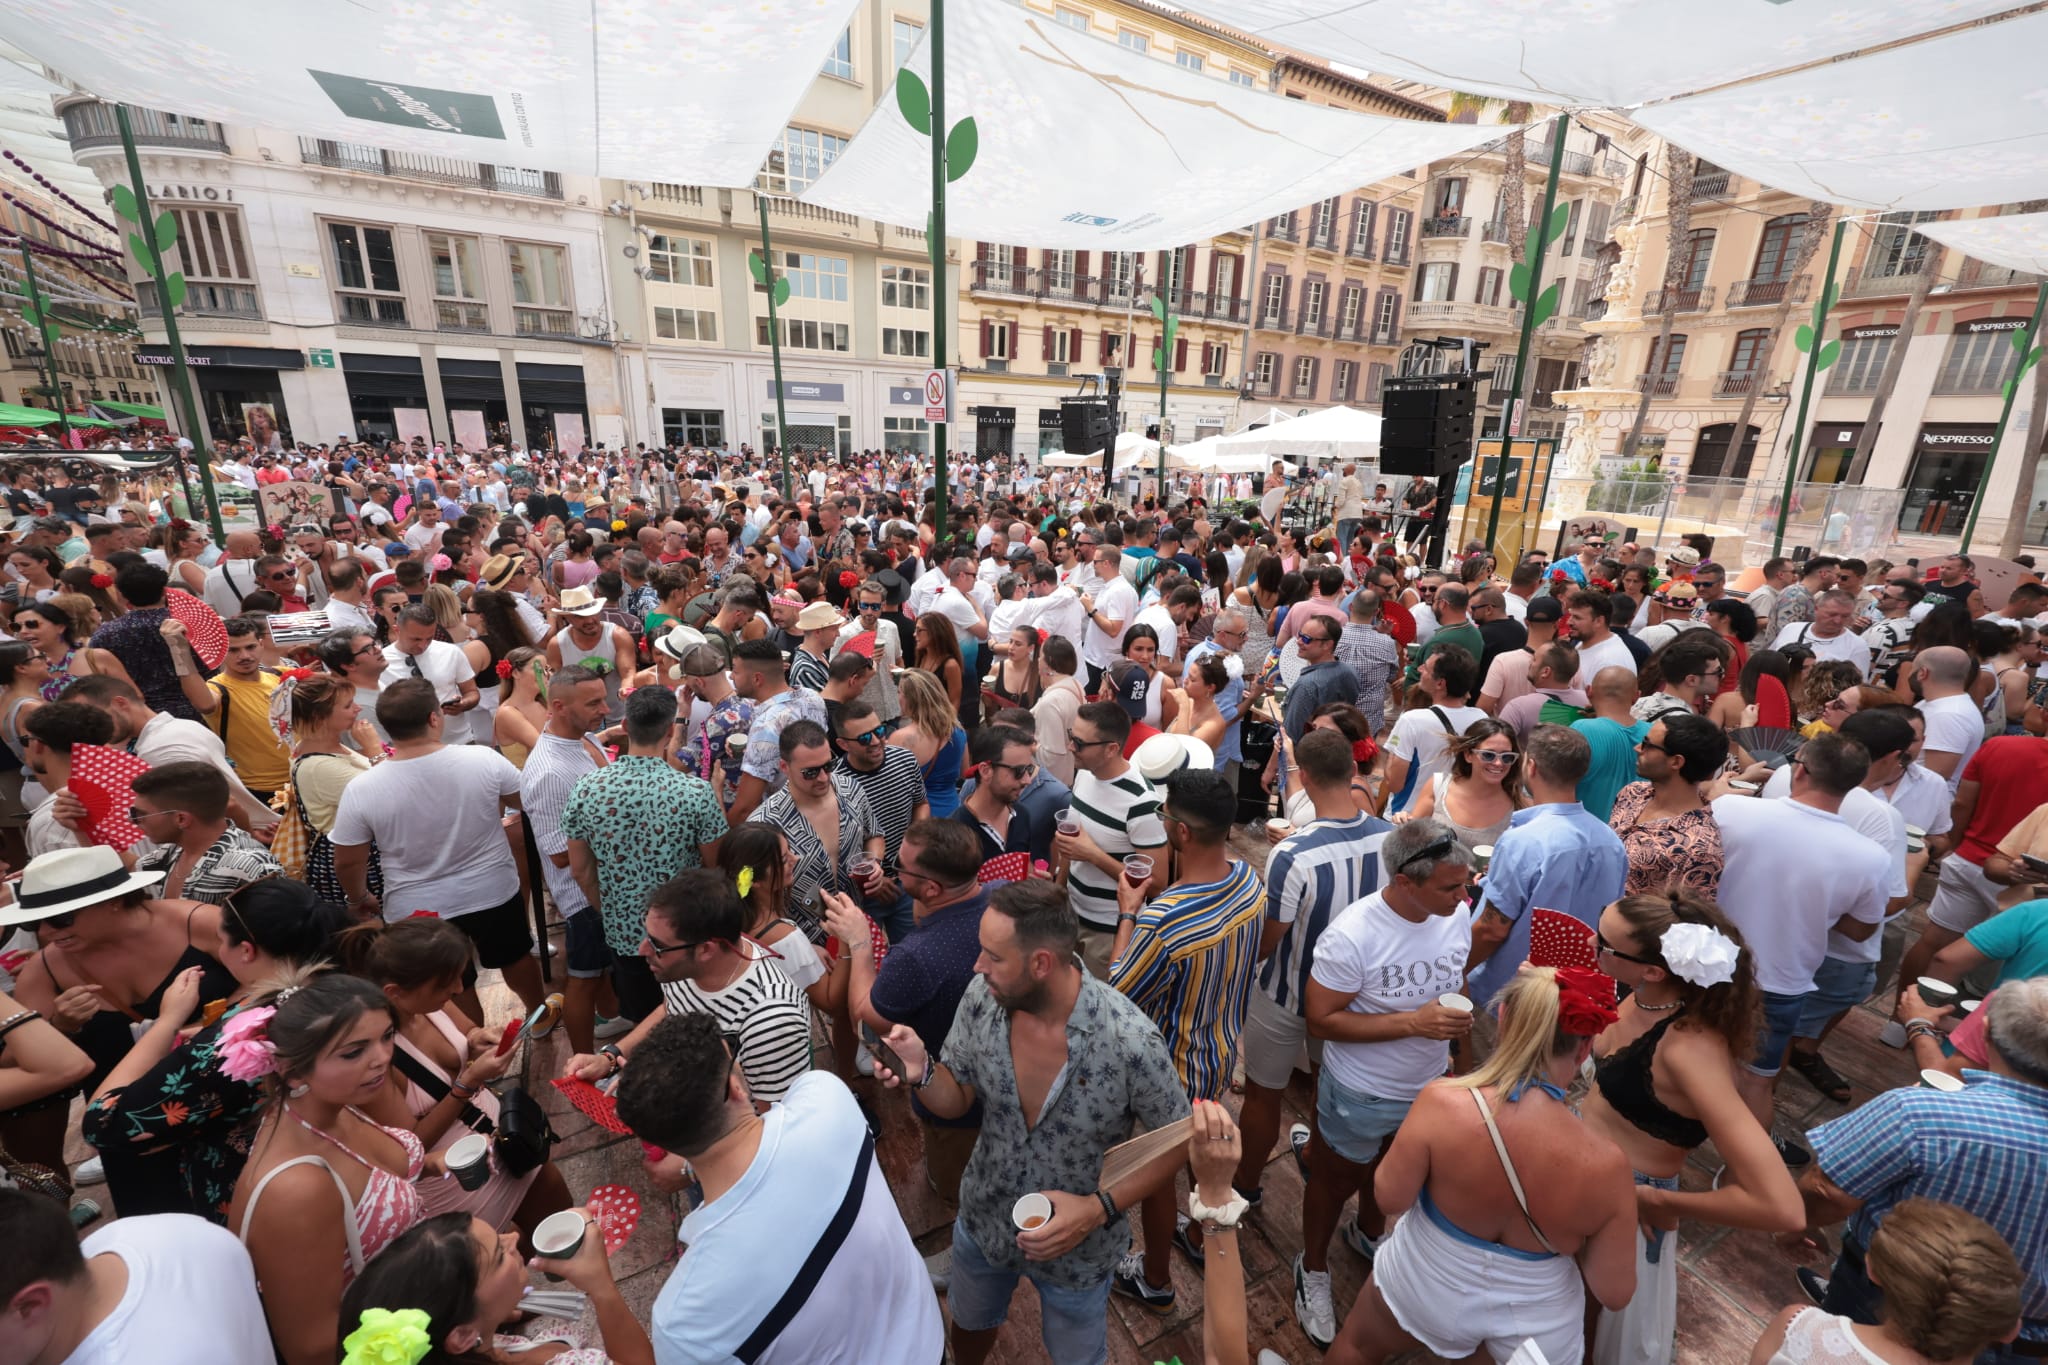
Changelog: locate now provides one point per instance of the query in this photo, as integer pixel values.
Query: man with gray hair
(1373, 995)
(1827, 632)
(1370, 653)
(1978, 1148)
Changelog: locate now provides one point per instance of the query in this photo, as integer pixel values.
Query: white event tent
(1339, 433)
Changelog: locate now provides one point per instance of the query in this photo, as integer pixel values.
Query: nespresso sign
(1958, 437)
(1993, 325)
(1864, 333)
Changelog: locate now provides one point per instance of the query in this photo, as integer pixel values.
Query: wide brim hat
(68, 879)
(500, 570)
(896, 591)
(1683, 554)
(1161, 755)
(678, 639)
(819, 616)
(580, 601)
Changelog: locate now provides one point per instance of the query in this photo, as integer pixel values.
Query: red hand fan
(1559, 940)
(618, 1212)
(202, 625)
(592, 1103)
(101, 778)
(863, 644)
(1005, 867)
(509, 1036)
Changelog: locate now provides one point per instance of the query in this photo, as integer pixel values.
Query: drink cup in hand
(868, 873)
(1137, 869)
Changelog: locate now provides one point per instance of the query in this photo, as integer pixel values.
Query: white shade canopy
(1087, 144)
(1338, 433)
(2017, 241)
(1132, 450)
(656, 89)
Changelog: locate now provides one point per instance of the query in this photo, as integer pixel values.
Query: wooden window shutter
(1156, 353)
(1451, 293)
(1080, 266)
(1215, 263)
(1395, 322)
(1013, 339)
(1104, 347)
(981, 251)
(1180, 354)
(1074, 345)
(987, 338)
(1045, 344)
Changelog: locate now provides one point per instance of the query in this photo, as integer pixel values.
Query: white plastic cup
(1454, 1001)
(1137, 869)
(1483, 853)
(1936, 992)
(469, 1161)
(1031, 1211)
(1940, 1080)
(1968, 1006)
(1278, 828)
(1745, 788)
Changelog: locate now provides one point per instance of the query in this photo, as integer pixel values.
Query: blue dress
(942, 775)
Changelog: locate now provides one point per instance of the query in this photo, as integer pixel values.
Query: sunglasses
(1074, 741)
(1494, 757)
(873, 736)
(1435, 849)
(1023, 772)
(1613, 951)
(811, 774)
(136, 814)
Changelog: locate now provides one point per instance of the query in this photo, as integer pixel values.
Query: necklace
(1654, 1009)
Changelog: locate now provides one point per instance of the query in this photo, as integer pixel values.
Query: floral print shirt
(708, 756)
(1117, 1071)
(1685, 849)
(644, 823)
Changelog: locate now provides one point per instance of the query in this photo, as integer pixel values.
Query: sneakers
(612, 1028)
(1355, 1238)
(1813, 1285)
(91, 1171)
(1272, 1358)
(1129, 1281)
(1893, 1034)
(1181, 1224)
(1795, 1156)
(939, 1266)
(1312, 1307)
(1297, 1142)
(862, 1062)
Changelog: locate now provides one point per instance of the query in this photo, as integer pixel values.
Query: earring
(297, 1091)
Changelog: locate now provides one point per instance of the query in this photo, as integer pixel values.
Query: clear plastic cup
(1065, 822)
(1137, 869)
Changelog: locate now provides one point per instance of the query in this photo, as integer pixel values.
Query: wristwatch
(612, 1051)
(1226, 1217)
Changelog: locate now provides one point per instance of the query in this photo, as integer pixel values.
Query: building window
(679, 260)
(1449, 199)
(1750, 348)
(1489, 286)
(908, 341)
(1385, 310)
(1312, 303)
(1070, 18)
(1216, 354)
(1188, 61)
(906, 435)
(366, 275)
(803, 334)
(906, 286)
(686, 324)
(1780, 245)
(1353, 312)
(1699, 248)
(1059, 346)
(1977, 362)
(1059, 272)
(1116, 275)
(690, 427)
(458, 283)
(1376, 380)
(1341, 381)
(1361, 229)
(1861, 365)
(1243, 78)
(1273, 309)
(540, 289)
(1895, 249)
(797, 160)
(1225, 291)
(812, 277)
(1304, 376)
(1322, 229)
(1266, 371)
(907, 35)
(1136, 42)
(1438, 280)
(1397, 236)
(839, 61)
(215, 263)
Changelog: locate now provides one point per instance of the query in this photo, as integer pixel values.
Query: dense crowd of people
(812, 794)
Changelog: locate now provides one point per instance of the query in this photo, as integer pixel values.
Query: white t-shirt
(1389, 965)
(1877, 820)
(1161, 620)
(436, 821)
(191, 1297)
(226, 579)
(748, 1245)
(1789, 871)
(1848, 646)
(1609, 653)
(1419, 737)
(1923, 800)
(424, 539)
(952, 604)
(447, 668)
(1955, 725)
(1115, 600)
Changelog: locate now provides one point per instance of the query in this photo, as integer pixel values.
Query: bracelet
(931, 1071)
(1110, 1213)
(1920, 1028)
(461, 1091)
(16, 1020)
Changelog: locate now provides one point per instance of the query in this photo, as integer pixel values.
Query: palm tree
(1514, 206)
(1819, 220)
(1930, 269)
(1678, 169)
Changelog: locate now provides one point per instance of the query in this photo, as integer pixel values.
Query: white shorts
(1963, 896)
(1271, 1042)
(1455, 1294)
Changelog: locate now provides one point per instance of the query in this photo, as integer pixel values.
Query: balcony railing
(1036, 282)
(1768, 293)
(433, 170)
(1736, 383)
(1626, 206)
(1446, 225)
(1983, 275)
(1323, 241)
(1866, 284)
(1596, 309)
(1712, 185)
(205, 301)
(1350, 331)
(1382, 336)
(1496, 232)
(370, 310)
(1317, 326)
(454, 315)
(1401, 258)
(92, 124)
(809, 213)
(1678, 300)
(1275, 319)
(1281, 230)
(692, 195)
(1360, 248)
(1657, 385)
(1614, 167)
(1578, 163)
(1264, 388)
(543, 322)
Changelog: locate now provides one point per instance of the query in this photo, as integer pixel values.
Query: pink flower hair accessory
(245, 1053)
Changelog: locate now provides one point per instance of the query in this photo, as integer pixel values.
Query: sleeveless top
(1624, 1080)
(1468, 835)
(1814, 1337)
(60, 675)
(390, 1204)
(942, 775)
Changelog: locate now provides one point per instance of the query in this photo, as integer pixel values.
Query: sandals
(1819, 1074)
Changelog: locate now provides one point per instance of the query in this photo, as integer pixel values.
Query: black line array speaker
(1084, 424)
(1426, 431)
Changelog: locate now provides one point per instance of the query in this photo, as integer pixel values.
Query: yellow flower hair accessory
(618, 526)
(387, 1338)
(744, 883)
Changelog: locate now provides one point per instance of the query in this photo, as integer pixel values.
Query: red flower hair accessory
(103, 581)
(849, 579)
(1364, 751)
(504, 669)
(1585, 1001)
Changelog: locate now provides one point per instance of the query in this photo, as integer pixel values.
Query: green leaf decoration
(1560, 218)
(914, 100)
(1546, 305)
(1827, 356)
(124, 204)
(1803, 338)
(961, 146)
(32, 317)
(174, 286)
(166, 232)
(1158, 307)
(757, 267)
(1172, 328)
(1518, 280)
(139, 247)
(1158, 358)
(781, 292)
(2020, 339)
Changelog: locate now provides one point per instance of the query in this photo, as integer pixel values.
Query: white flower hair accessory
(1699, 954)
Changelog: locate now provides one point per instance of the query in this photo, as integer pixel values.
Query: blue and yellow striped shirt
(1189, 966)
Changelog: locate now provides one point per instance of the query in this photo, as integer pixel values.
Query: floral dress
(1684, 850)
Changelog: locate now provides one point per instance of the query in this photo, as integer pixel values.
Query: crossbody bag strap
(1445, 721)
(813, 1269)
(349, 1229)
(421, 1075)
(1514, 1181)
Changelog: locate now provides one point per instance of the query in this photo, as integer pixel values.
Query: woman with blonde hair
(1508, 1213)
(1952, 1292)
(183, 543)
(1258, 597)
(1828, 695)
(931, 730)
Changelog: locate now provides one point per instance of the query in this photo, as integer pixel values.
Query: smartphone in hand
(881, 1051)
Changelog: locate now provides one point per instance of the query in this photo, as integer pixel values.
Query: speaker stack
(1427, 425)
(1085, 425)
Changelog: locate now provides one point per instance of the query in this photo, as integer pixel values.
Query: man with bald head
(1612, 732)
(1940, 682)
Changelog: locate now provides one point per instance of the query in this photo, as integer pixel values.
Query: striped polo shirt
(1121, 815)
(1189, 966)
(1312, 875)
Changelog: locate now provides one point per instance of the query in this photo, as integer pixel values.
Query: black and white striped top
(768, 1015)
(1121, 816)
(894, 791)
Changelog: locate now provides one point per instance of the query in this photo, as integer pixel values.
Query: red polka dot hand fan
(862, 644)
(618, 1212)
(202, 625)
(101, 778)
(1559, 940)
(592, 1103)
(1005, 867)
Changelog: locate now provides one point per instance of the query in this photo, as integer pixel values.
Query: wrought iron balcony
(92, 124)
(1866, 284)
(1678, 300)
(1446, 225)
(1657, 385)
(432, 170)
(1736, 383)
(1712, 185)
(1768, 293)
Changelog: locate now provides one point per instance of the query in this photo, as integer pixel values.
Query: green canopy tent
(143, 410)
(14, 415)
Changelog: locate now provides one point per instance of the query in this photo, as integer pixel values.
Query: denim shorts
(1782, 1014)
(589, 954)
(1074, 1323)
(1837, 986)
(1353, 1124)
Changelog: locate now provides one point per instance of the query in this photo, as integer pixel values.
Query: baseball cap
(702, 661)
(1545, 609)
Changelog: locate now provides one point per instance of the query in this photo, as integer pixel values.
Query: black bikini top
(1624, 1081)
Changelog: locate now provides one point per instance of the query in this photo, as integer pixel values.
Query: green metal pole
(769, 277)
(1528, 339)
(1165, 367)
(2024, 344)
(937, 243)
(181, 374)
(1798, 441)
(47, 330)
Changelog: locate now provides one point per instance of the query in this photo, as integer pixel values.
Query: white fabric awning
(1338, 433)
(1941, 124)
(695, 94)
(1084, 144)
(2017, 241)
(1131, 450)
(1600, 53)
